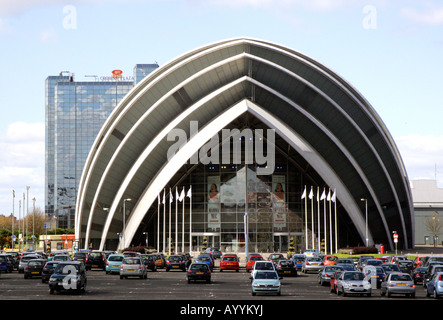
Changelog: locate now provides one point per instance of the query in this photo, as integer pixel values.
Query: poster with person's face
(213, 200)
(278, 201)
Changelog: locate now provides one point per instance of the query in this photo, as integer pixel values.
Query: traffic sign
(395, 237)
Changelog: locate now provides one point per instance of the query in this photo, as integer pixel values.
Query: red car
(418, 261)
(251, 261)
(229, 262)
(330, 260)
(333, 281)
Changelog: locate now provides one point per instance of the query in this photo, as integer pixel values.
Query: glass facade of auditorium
(222, 193)
(75, 112)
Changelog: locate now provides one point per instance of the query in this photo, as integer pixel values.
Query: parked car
(362, 262)
(68, 276)
(298, 260)
(79, 256)
(329, 260)
(353, 282)
(324, 276)
(133, 267)
(160, 260)
(390, 267)
(130, 254)
(275, 257)
(113, 263)
(347, 266)
(206, 259)
(229, 262)
(266, 281)
(61, 257)
(198, 271)
(406, 266)
(187, 257)
(95, 259)
(48, 270)
(432, 268)
(261, 265)
(175, 262)
(312, 263)
(435, 285)
(333, 280)
(24, 261)
(286, 268)
(374, 262)
(216, 253)
(251, 261)
(378, 276)
(34, 268)
(418, 260)
(6, 263)
(312, 252)
(344, 261)
(398, 283)
(418, 274)
(431, 259)
(150, 261)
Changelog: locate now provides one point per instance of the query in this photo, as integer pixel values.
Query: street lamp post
(124, 219)
(366, 209)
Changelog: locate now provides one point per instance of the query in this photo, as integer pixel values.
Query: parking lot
(162, 285)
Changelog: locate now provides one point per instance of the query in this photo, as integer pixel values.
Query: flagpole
(318, 218)
(335, 209)
(323, 197)
(158, 223)
(176, 220)
(306, 217)
(170, 194)
(190, 218)
(164, 221)
(183, 221)
(330, 221)
(312, 219)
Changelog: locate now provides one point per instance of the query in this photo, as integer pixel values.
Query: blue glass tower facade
(75, 112)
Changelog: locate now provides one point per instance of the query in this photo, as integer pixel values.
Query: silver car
(398, 283)
(353, 282)
(435, 285)
(312, 264)
(324, 276)
(133, 267)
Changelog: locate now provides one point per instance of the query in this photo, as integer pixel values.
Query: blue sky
(389, 50)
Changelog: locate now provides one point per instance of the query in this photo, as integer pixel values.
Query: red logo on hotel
(117, 74)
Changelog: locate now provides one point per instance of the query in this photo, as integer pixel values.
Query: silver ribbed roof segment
(312, 108)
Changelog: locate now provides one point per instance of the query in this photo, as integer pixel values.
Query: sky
(389, 50)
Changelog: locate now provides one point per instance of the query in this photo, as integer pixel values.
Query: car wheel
(121, 277)
(427, 294)
(435, 294)
(51, 291)
(253, 293)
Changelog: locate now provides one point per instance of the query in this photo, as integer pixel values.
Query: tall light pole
(27, 212)
(366, 207)
(13, 216)
(124, 219)
(33, 216)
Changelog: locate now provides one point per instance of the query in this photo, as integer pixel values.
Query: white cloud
(429, 17)
(22, 163)
(421, 155)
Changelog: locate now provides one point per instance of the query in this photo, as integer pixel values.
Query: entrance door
(281, 242)
(212, 241)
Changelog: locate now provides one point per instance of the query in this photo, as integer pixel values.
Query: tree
(433, 225)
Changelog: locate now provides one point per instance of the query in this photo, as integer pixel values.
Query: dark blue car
(206, 259)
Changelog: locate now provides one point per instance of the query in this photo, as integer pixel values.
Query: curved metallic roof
(312, 108)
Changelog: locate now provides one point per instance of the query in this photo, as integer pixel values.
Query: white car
(353, 282)
(261, 265)
(133, 267)
(312, 252)
(266, 281)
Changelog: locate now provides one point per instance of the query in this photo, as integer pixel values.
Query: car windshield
(229, 259)
(401, 277)
(34, 263)
(286, 263)
(115, 258)
(391, 268)
(264, 266)
(27, 258)
(131, 261)
(354, 276)
(175, 258)
(256, 258)
(314, 259)
(333, 268)
(405, 263)
(266, 275)
(199, 267)
(331, 258)
(67, 268)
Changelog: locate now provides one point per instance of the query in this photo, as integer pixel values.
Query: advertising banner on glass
(278, 201)
(213, 202)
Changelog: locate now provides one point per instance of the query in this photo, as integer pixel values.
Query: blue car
(113, 263)
(206, 259)
(298, 260)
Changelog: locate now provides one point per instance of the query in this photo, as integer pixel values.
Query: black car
(150, 261)
(95, 259)
(176, 262)
(80, 256)
(34, 268)
(406, 266)
(48, 270)
(199, 271)
(68, 276)
(286, 268)
(418, 274)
